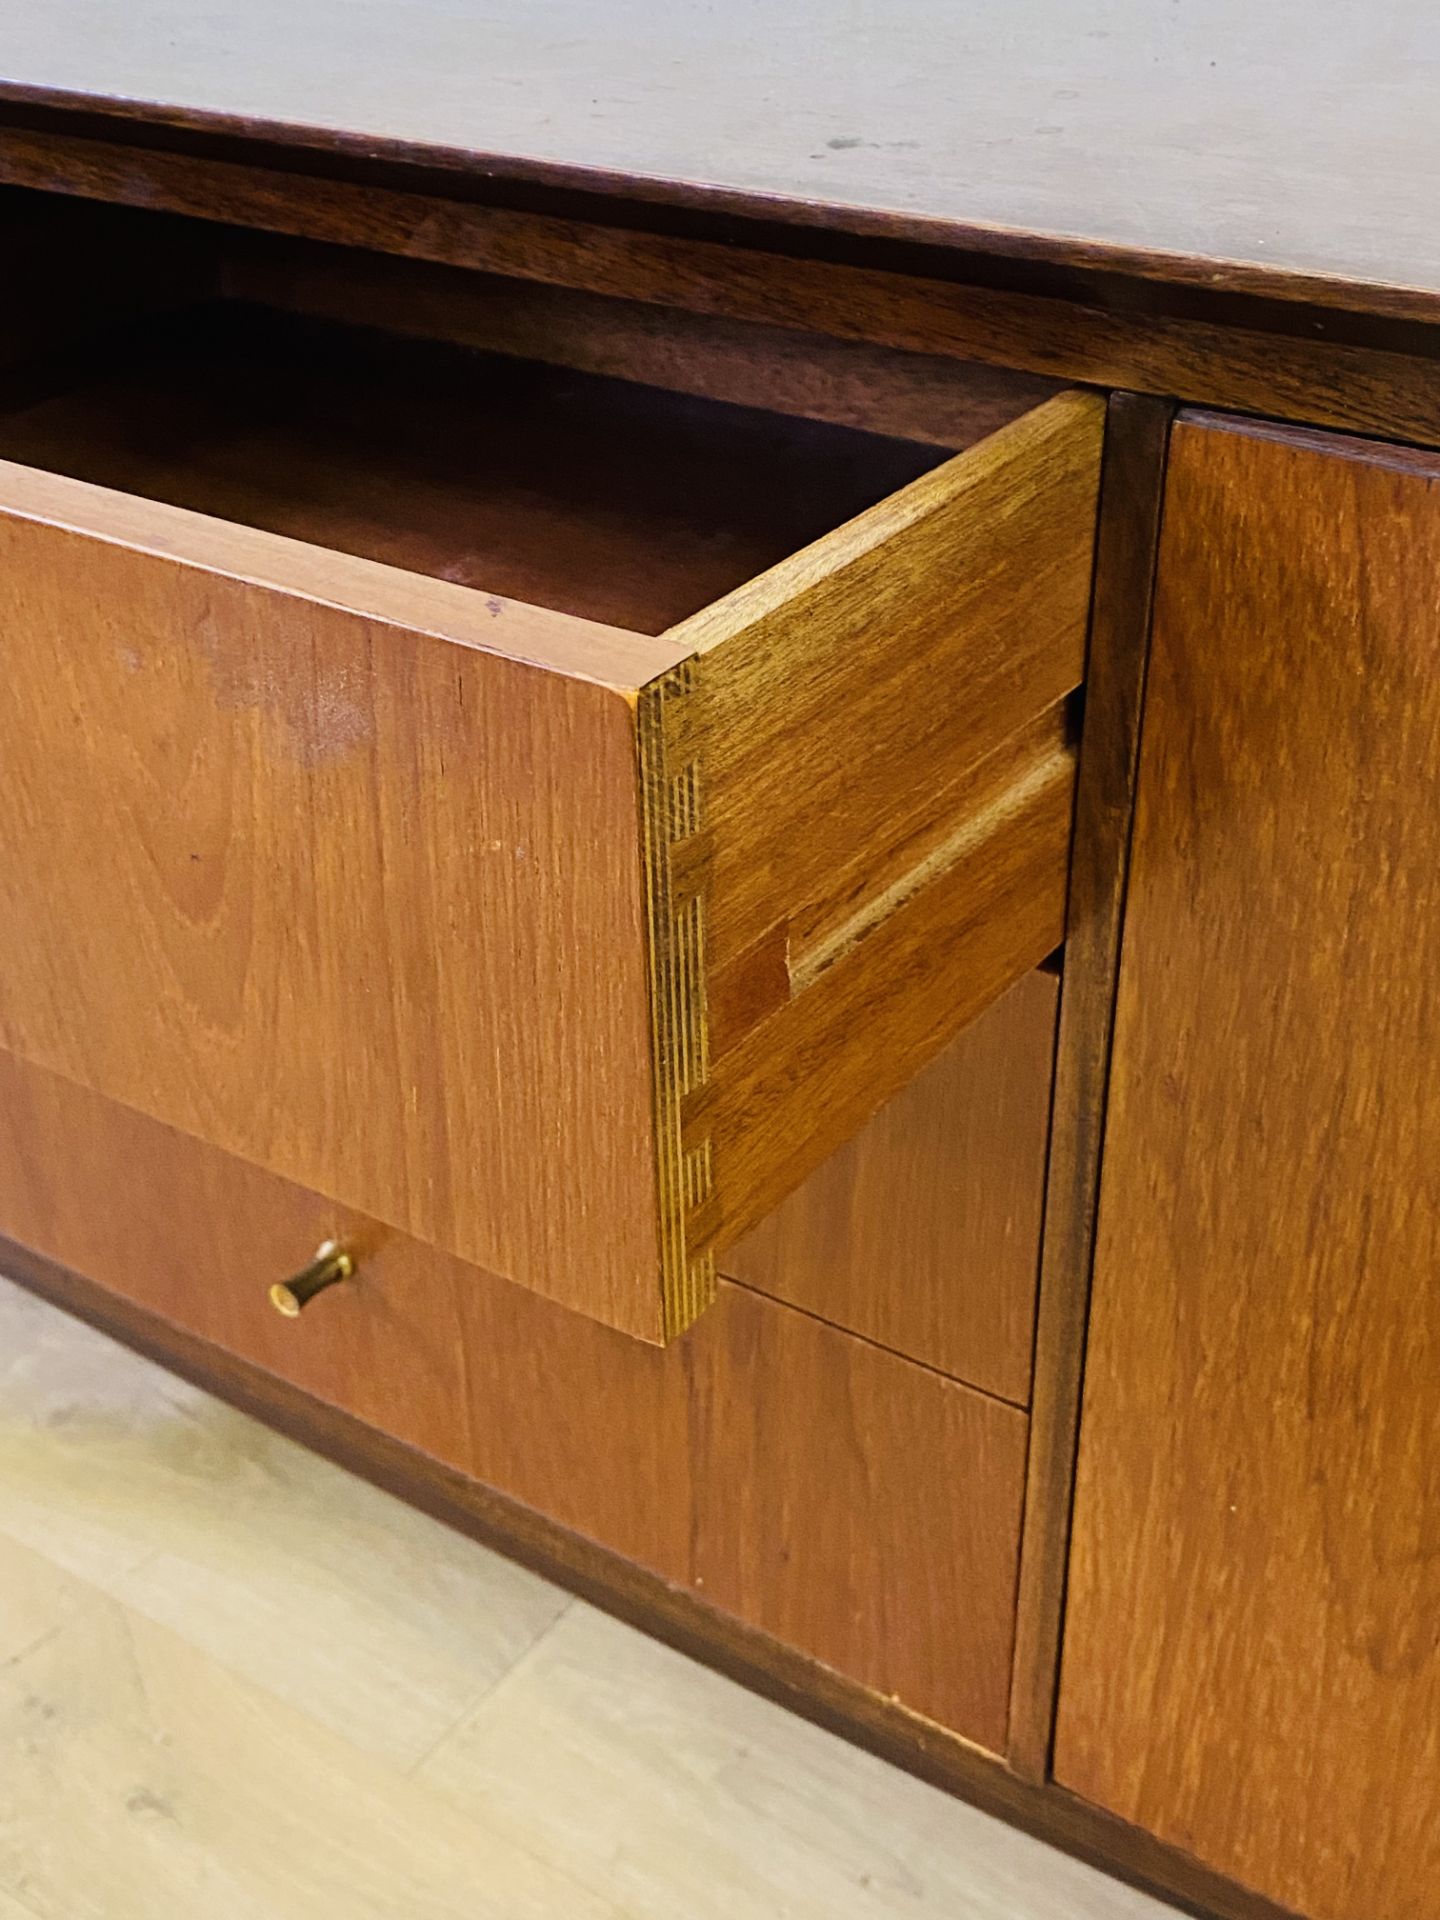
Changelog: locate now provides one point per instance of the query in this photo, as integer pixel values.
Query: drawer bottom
(860, 1508)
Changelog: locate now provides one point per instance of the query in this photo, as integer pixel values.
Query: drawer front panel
(200, 1237)
(353, 901)
(923, 1232)
(858, 1507)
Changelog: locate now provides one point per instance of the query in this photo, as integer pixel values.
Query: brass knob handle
(331, 1263)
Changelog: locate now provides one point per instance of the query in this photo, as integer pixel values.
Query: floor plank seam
(473, 1707)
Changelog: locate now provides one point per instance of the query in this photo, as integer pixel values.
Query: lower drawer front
(923, 1232)
(861, 1508)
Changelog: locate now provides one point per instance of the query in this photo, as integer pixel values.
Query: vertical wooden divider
(1132, 478)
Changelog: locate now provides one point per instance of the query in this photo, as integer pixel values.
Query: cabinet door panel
(1252, 1648)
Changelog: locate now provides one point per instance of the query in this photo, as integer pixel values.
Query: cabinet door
(1252, 1649)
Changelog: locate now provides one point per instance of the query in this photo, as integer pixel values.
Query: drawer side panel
(880, 731)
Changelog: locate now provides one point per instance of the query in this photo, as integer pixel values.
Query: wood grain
(315, 820)
(609, 658)
(198, 1236)
(768, 1462)
(1288, 151)
(975, 579)
(923, 1232)
(1294, 363)
(921, 869)
(799, 1082)
(1250, 1666)
(844, 382)
(1130, 501)
(859, 1508)
(711, 1462)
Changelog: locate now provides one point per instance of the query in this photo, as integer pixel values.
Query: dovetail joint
(685, 802)
(673, 812)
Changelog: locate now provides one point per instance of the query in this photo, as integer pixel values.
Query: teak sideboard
(732, 876)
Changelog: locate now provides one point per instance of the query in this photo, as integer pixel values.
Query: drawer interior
(610, 499)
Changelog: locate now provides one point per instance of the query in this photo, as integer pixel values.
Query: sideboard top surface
(1290, 149)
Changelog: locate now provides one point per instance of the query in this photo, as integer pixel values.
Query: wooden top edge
(1423, 462)
(476, 172)
(754, 600)
(560, 643)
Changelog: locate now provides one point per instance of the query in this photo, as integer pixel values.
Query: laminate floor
(238, 1684)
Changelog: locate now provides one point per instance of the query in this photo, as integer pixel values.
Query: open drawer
(543, 812)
